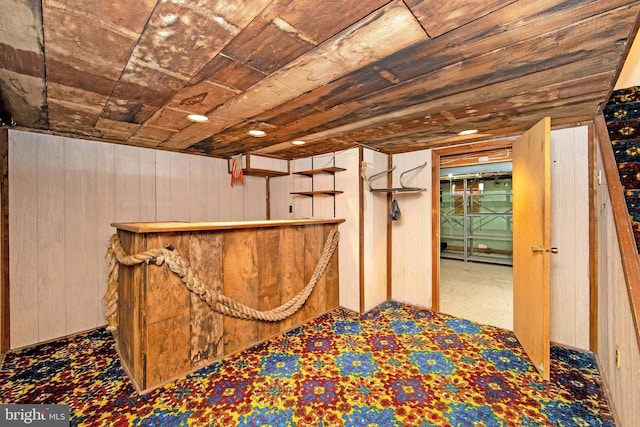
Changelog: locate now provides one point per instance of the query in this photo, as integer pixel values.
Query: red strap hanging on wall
(236, 170)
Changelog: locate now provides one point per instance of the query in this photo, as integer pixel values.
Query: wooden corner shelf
(329, 170)
(262, 165)
(262, 173)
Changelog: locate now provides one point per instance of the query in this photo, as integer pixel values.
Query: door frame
(473, 149)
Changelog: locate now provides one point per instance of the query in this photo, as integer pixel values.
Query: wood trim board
(5, 321)
(593, 240)
(389, 231)
(361, 228)
(174, 226)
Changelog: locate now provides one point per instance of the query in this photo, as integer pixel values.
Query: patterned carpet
(622, 115)
(394, 366)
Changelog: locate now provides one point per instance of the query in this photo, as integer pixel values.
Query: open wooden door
(531, 243)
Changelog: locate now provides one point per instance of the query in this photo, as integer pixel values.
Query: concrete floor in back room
(480, 292)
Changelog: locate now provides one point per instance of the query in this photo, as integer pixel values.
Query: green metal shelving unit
(476, 218)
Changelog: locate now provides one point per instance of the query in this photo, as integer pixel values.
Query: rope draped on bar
(117, 255)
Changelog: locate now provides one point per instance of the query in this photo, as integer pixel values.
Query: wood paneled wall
(348, 208)
(64, 194)
(411, 252)
(615, 322)
(374, 251)
(569, 233)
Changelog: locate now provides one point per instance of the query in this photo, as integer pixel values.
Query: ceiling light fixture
(298, 142)
(197, 118)
(257, 133)
(467, 132)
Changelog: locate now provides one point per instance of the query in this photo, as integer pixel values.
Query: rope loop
(116, 256)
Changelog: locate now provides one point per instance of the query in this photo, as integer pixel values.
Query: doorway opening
(472, 277)
(476, 246)
(531, 157)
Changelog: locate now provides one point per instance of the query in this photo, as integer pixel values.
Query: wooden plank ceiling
(395, 76)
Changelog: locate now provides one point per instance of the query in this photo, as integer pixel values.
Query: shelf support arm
(372, 177)
(417, 168)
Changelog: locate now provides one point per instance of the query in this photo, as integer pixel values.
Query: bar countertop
(176, 226)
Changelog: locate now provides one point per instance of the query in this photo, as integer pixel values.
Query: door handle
(541, 250)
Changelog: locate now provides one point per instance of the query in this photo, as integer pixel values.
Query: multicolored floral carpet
(397, 365)
(622, 115)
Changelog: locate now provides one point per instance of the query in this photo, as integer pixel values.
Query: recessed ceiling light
(298, 142)
(197, 118)
(257, 133)
(467, 132)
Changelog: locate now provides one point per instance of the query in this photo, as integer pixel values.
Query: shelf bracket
(403, 188)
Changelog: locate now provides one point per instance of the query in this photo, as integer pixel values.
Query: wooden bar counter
(165, 330)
